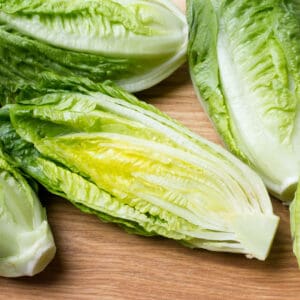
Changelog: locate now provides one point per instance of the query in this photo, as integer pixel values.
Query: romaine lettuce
(245, 67)
(135, 43)
(295, 223)
(26, 244)
(127, 162)
(244, 59)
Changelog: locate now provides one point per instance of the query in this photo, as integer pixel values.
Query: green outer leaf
(203, 63)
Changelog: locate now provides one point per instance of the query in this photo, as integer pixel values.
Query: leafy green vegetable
(295, 226)
(135, 43)
(26, 244)
(128, 163)
(244, 59)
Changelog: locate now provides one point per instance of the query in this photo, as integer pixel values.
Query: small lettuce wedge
(295, 224)
(26, 244)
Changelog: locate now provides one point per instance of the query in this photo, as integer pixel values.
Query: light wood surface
(96, 260)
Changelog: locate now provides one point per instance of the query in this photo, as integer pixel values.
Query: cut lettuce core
(256, 232)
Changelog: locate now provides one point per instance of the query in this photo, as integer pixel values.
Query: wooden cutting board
(96, 260)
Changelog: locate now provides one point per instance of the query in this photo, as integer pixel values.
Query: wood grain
(100, 261)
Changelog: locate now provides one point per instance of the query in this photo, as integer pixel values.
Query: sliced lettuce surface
(127, 162)
(136, 43)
